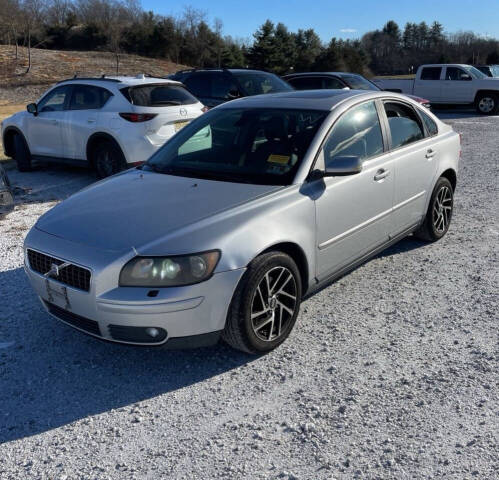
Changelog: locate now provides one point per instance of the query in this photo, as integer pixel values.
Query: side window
(431, 73)
(431, 126)
(221, 85)
(333, 83)
(455, 73)
(405, 125)
(199, 84)
(306, 83)
(357, 132)
(88, 97)
(54, 101)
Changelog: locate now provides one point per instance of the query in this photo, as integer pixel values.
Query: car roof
(307, 74)
(302, 99)
(121, 80)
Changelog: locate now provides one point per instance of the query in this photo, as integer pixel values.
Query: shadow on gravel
(48, 183)
(52, 375)
(455, 112)
(405, 245)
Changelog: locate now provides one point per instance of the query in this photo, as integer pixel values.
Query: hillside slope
(49, 66)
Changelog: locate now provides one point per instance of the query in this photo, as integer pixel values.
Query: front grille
(71, 275)
(77, 321)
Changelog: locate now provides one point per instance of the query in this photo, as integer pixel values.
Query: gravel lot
(391, 372)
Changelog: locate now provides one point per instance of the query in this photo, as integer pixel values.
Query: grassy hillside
(49, 66)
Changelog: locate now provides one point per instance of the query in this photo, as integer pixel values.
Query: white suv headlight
(169, 271)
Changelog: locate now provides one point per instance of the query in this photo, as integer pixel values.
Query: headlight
(169, 271)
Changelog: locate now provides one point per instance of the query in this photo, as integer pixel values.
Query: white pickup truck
(449, 84)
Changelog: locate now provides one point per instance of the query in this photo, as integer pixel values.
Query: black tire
(439, 214)
(487, 104)
(107, 159)
(239, 330)
(22, 155)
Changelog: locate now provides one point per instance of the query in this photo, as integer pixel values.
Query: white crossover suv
(108, 123)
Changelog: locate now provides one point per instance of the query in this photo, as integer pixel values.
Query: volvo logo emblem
(183, 112)
(55, 270)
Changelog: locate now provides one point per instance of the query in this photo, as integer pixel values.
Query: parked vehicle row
(246, 210)
(450, 84)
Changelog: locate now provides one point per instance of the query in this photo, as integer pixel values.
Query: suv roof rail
(75, 77)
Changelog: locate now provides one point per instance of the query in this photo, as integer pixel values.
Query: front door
(353, 213)
(457, 85)
(44, 130)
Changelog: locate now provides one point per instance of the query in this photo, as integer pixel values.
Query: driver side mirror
(32, 108)
(343, 165)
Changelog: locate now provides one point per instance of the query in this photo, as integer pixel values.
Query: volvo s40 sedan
(243, 212)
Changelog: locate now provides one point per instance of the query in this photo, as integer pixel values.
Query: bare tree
(31, 19)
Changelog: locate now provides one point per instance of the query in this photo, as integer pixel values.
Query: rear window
(431, 73)
(158, 95)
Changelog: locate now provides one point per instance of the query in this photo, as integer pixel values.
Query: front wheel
(265, 304)
(487, 104)
(439, 214)
(22, 155)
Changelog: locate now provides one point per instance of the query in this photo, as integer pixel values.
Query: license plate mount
(53, 293)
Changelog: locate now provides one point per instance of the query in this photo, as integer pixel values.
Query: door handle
(381, 174)
(429, 153)
(90, 120)
(55, 122)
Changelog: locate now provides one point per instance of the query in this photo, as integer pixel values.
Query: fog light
(152, 332)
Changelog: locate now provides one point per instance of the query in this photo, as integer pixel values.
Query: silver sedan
(249, 208)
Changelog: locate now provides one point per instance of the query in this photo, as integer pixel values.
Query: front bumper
(114, 314)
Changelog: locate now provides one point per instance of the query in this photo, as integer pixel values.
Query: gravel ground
(391, 372)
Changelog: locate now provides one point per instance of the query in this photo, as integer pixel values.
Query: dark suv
(215, 86)
(489, 70)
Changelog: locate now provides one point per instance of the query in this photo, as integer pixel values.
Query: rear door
(81, 118)
(44, 130)
(212, 88)
(353, 213)
(429, 85)
(414, 159)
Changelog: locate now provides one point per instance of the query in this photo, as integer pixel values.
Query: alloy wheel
(274, 304)
(442, 209)
(486, 104)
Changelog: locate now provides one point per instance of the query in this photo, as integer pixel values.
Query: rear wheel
(439, 214)
(265, 304)
(108, 159)
(487, 104)
(22, 155)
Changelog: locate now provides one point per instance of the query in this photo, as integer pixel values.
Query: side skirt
(65, 161)
(356, 263)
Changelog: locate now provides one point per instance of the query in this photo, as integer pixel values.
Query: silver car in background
(246, 210)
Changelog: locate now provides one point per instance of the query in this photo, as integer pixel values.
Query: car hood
(135, 208)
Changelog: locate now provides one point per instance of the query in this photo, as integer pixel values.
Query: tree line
(122, 26)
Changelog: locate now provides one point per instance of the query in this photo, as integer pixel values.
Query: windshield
(474, 72)
(357, 82)
(256, 83)
(259, 146)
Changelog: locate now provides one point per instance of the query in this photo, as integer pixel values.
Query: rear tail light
(138, 117)
(205, 109)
